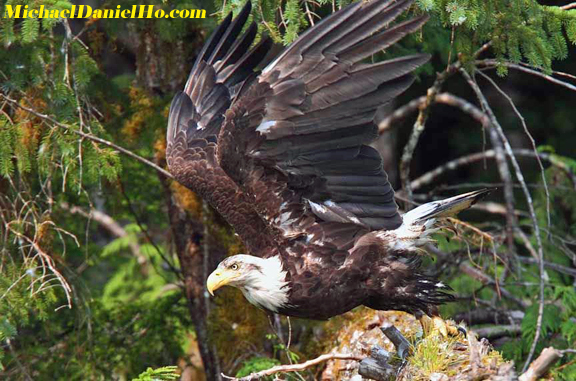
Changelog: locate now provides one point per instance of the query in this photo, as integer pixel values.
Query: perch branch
(295, 367)
(541, 365)
(88, 136)
(568, 6)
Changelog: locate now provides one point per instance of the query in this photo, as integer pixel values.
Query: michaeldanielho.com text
(86, 11)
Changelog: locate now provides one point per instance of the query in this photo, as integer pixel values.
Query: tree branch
(419, 127)
(109, 224)
(568, 6)
(452, 165)
(541, 365)
(490, 63)
(518, 172)
(295, 367)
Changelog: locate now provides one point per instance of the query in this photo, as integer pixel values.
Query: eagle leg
(436, 325)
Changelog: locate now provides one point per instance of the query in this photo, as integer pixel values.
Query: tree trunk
(198, 254)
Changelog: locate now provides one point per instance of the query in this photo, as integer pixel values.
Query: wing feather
(297, 141)
(223, 67)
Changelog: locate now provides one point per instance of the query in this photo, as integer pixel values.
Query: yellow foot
(438, 326)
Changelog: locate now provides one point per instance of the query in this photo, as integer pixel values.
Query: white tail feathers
(417, 224)
(444, 208)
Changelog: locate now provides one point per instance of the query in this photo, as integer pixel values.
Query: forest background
(103, 257)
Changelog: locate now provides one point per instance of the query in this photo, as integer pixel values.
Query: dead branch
(541, 365)
(497, 331)
(568, 6)
(109, 224)
(550, 265)
(491, 64)
(452, 165)
(46, 261)
(487, 280)
(532, 141)
(295, 367)
(489, 316)
(88, 136)
(518, 172)
(419, 126)
(444, 98)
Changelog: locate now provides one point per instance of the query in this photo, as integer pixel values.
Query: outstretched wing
(297, 141)
(225, 64)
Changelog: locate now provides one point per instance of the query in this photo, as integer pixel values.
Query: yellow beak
(220, 278)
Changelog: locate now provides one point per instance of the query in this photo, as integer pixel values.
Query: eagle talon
(438, 326)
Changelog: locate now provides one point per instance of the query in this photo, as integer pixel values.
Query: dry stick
(45, 258)
(418, 129)
(445, 98)
(146, 233)
(295, 367)
(429, 177)
(420, 123)
(109, 224)
(532, 141)
(485, 279)
(89, 136)
(552, 266)
(541, 365)
(520, 177)
(568, 6)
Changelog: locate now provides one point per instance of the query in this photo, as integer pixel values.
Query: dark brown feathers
(283, 154)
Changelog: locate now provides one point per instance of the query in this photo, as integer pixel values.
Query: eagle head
(261, 280)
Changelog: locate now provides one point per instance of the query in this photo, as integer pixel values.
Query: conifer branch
(88, 136)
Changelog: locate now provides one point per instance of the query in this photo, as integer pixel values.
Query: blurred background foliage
(90, 282)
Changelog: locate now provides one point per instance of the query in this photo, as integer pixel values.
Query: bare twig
(568, 6)
(445, 98)
(88, 136)
(109, 224)
(490, 63)
(520, 177)
(419, 126)
(295, 367)
(46, 261)
(532, 141)
(452, 165)
(551, 265)
(487, 280)
(504, 171)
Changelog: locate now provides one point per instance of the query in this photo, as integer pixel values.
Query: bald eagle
(283, 154)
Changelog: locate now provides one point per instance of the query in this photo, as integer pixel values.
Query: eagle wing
(297, 141)
(224, 66)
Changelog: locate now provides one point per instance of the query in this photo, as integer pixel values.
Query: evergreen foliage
(115, 82)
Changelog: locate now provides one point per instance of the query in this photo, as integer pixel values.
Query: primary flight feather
(283, 155)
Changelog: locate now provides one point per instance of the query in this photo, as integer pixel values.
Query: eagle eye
(234, 266)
